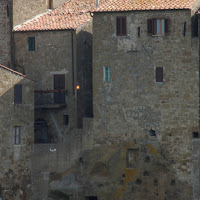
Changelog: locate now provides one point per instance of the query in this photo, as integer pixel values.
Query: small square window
(17, 139)
(195, 135)
(121, 29)
(107, 74)
(31, 43)
(66, 120)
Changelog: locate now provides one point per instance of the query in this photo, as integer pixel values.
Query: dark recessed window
(195, 134)
(91, 198)
(66, 119)
(18, 94)
(31, 43)
(159, 74)
(121, 26)
(152, 133)
(158, 26)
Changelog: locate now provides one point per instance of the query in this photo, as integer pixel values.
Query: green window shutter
(31, 43)
(107, 74)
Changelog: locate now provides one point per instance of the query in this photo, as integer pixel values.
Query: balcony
(50, 98)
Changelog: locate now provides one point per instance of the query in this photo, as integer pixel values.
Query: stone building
(132, 130)
(55, 50)
(16, 133)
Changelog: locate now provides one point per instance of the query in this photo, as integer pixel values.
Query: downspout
(11, 33)
(72, 38)
(199, 65)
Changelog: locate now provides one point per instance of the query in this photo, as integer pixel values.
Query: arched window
(41, 131)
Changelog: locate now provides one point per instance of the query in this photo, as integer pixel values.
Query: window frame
(158, 26)
(17, 135)
(106, 74)
(31, 43)
(120, 31)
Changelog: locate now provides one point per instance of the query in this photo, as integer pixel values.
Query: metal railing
(50, 97)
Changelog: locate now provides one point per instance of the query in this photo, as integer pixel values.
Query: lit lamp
(78, 87)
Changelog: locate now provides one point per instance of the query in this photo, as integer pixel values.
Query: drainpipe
(72, 38)
(11, 33)
(199, 65)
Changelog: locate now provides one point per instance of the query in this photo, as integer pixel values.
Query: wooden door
(59, 84)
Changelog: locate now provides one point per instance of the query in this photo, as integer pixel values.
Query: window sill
(160, 83)
(158, 35)
(123, 36)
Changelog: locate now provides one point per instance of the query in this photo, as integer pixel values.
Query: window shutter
(123, 25)
(118, 25)
(31, 43)
(18, 94)
(138, 31)
(159, 74)
(166, 26)
(150, 26)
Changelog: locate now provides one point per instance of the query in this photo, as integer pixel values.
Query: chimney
(97, 3)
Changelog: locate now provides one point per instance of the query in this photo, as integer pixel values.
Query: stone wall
(132, 104)
(5, 33)
(26, 10)
(15, 163)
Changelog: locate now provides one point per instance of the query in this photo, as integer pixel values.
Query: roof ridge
(15, 72)
(29, 20)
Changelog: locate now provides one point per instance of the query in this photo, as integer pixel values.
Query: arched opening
(41, 131)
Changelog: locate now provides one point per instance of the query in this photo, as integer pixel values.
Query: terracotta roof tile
(15, 72)
(74, 13)
(129, 5)
(70, 15)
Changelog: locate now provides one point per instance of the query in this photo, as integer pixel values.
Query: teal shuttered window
(107, 74)
(31, 43)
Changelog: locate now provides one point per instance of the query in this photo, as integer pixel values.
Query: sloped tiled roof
(15, 72)
(129, 5)
(70, 15)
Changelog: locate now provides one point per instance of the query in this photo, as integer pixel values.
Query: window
(159, 74)
(17, 135)
(158, 26)
(91, 198)
(59, 84)
(121, 26)
(107, 74)
(18, 94)
(66, 119)
(31, 43)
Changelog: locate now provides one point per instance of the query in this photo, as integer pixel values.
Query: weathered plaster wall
(5, 33)
(52, 55)
(133, 103)
(15, 179)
